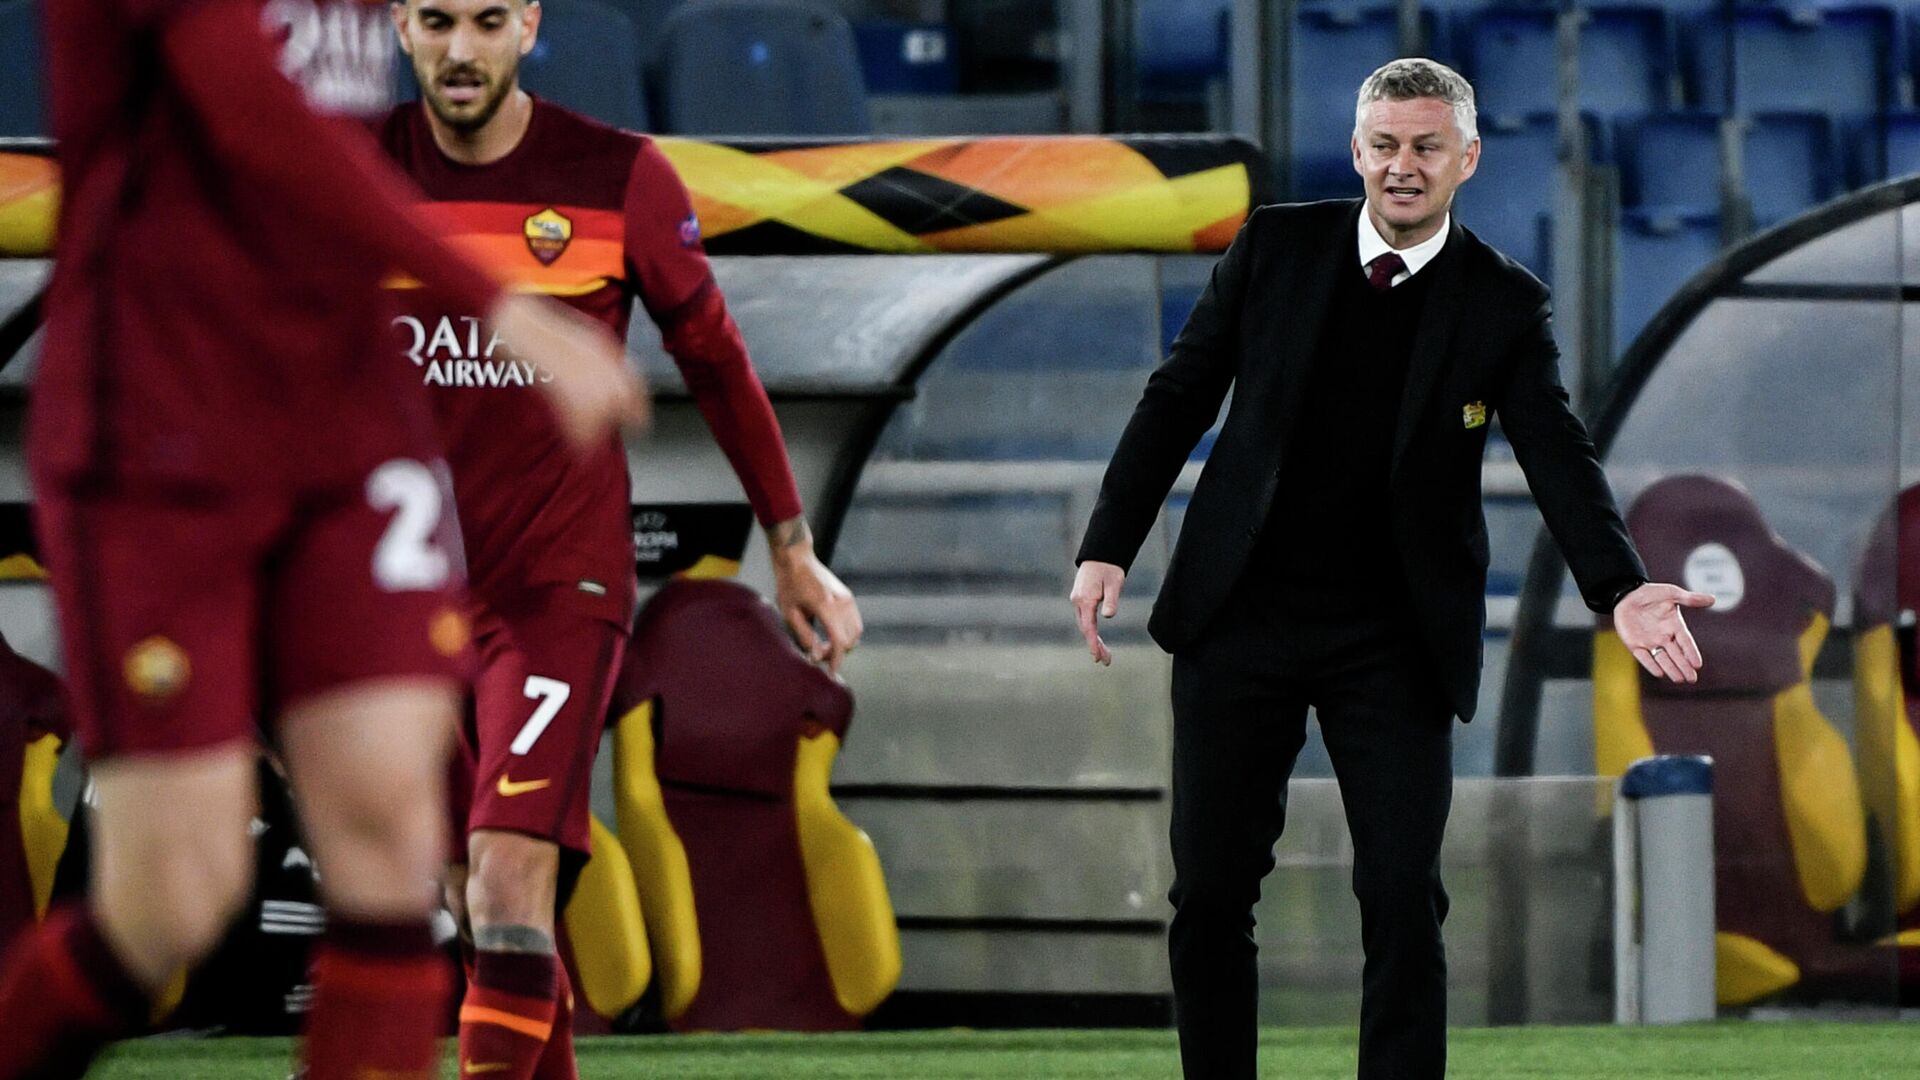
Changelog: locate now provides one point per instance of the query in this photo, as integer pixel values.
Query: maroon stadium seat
(1887, 696)
(1789, 834)
(765, 908)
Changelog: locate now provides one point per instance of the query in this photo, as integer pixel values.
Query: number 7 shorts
(189, 619)
(539, 707)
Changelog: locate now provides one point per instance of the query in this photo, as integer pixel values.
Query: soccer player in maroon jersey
(240, 504)
(563, 205)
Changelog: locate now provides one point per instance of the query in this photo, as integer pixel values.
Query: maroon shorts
(188, 618)
(539, 707)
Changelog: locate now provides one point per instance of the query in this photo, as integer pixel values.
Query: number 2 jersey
(597, 218)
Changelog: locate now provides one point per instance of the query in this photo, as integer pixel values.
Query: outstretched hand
(1650, 625)
(1096, 588)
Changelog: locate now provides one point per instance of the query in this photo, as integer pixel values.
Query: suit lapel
(1431, 340)
(1302, 295)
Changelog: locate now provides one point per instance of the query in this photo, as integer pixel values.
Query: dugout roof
(1788, 366)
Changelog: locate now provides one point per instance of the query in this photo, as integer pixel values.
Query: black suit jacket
(1485, 341)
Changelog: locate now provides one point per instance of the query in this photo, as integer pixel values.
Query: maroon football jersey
(596, 217)
(215, 315)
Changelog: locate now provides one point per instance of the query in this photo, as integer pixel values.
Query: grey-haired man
(1334, 555)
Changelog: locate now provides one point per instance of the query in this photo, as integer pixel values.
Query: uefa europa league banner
(1051, 194)
(29, 199)
(1063, 194)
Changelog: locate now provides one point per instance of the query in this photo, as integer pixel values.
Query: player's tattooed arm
(819, 610)
(512, 938)
(791, 533)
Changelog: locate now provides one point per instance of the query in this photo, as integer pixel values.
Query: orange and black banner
(1048, 194)
(1002, 194)
(29, 198)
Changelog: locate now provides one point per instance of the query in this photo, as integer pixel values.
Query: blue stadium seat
(1836, 60)
(1626, 60)
(1333, 53)
(1792, 164)
(1870, 144)
(1657, 253)
(761, 67)
(1180, 47)
(649, 18)
(907, 58)
(1672, 163)
(1176, 305)
(1684, 9)
(22, 70)
(587, 60)
(1011, 46)
(1902, 143)
(1509, 202)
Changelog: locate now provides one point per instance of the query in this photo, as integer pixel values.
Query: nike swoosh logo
(485, 1067)
(509, 788)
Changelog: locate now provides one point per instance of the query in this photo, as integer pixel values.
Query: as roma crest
(548, 233)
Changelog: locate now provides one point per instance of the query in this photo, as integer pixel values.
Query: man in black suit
(1334, 554)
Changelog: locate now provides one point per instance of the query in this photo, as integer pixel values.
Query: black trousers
(1240, 700)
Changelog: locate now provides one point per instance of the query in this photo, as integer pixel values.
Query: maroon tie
(1382, 271)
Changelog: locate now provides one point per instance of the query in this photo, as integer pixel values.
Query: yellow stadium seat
(844, 881)
(606, 930)
(658, 862)
(43, 831)
(1887, 700)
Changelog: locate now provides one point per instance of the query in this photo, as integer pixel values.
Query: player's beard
(472, 117)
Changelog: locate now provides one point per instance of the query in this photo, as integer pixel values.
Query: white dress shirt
(1373, 245)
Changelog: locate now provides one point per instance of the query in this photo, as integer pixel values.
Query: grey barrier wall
(1525, 860)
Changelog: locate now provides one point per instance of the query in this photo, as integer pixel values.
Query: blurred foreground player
(563, 205)
(241, 507)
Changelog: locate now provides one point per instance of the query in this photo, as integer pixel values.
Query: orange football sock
(508, 1016)
(557, 1063)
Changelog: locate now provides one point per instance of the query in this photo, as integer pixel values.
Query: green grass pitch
(1751, 1051)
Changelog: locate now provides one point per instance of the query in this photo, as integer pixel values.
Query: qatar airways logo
(341, 52)
(459, 352)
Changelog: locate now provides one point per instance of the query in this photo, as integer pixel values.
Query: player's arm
(676, 285)
(258, 124)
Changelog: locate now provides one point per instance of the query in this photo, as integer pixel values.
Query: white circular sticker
(1712, 569)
